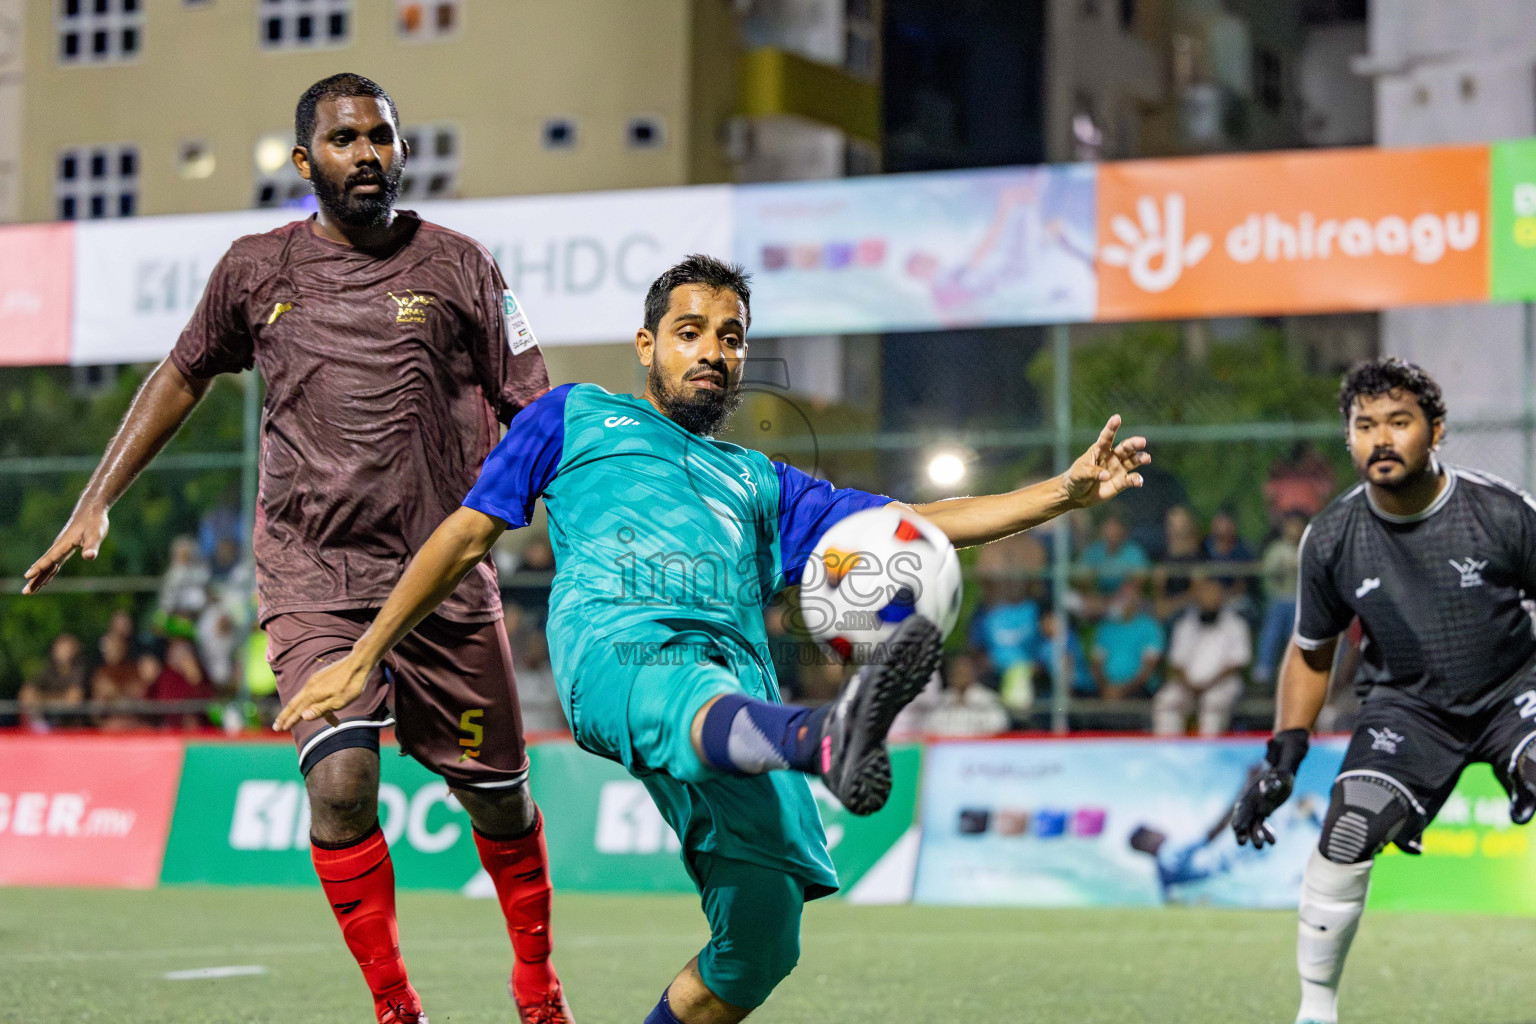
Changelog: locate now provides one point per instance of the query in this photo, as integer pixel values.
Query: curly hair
(1386, 374)
(696, 269)
(344, 85)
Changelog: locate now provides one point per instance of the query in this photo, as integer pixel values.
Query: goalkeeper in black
(1439, 564)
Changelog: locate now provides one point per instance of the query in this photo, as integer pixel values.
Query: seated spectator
(537, 697)
(1114, 555)
(1223, 544)
(1081, 683)
(59, 685)
(1127, 645)
(1279, 566)
(183, 590)
(1182, 549)
(182, 679)
(116, 681)
(1210, 647)
(965, 707)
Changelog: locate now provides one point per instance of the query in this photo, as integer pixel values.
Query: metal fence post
(1061, 551)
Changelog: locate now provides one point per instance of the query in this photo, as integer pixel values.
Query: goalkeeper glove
(1268, 789)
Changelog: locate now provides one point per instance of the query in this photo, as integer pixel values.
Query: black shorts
(1420, 750)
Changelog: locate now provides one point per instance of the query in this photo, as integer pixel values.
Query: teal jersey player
(668, 544)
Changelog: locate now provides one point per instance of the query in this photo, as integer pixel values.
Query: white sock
(1332, 898)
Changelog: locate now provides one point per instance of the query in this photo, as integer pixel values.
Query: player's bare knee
(1364, 815)
(343, 791)
(499, 813)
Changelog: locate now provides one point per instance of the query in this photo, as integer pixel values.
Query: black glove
(1270, 788)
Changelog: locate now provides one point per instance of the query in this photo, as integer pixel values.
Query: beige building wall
(12, 56)
(202, 74)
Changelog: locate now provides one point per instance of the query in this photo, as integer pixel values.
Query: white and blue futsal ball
(872, 570)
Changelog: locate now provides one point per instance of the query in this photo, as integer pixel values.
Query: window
(432, 172)
(559, 133)
(97, 181)
(99, 31)
(277, 180)
(296, 24)
(645, 132)
(427, 19)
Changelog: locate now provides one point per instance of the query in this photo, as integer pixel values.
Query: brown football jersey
(386, 375)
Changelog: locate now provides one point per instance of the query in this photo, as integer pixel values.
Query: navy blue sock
(747, 736)
(663, 1013)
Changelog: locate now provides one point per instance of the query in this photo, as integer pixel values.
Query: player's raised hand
(84, 533)
(1106, 468)
(326, 692)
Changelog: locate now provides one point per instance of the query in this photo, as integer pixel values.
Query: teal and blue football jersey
(648, 521)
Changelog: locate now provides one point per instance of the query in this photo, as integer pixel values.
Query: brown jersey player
(385, 350)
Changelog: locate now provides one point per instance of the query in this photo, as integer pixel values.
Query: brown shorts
(447, 689)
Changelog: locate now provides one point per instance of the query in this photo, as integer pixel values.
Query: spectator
(183, 590)
(1210, 647)
(58, 686)
(1223, 544)
(537, 697)
(1127, 645)
(1182, 549)
(1301, 485)
(181, 679)
(965, 707)
(1114, 555)
(1006, 628)
(219, 641)
(1279, 567)
(1082, 683)
(116, 681)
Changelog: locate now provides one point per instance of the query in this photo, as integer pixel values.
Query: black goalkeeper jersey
(1445, 596)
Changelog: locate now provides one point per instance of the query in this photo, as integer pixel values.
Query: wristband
(1286, 749)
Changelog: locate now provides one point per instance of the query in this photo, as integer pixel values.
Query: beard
(360, 211)
(697, 411)
(1408, 477)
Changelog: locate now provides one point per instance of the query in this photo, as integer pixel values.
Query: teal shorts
(753, 844)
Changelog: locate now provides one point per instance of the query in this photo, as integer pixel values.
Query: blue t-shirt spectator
(1009, 633)
(1129, 647)
(1111, 567)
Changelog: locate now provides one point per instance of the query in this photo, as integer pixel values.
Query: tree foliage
(43, 413)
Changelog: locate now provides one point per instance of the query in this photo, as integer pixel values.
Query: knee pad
(1364, 815)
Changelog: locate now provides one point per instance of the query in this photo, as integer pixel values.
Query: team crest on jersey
(1384, 740)
(1471, 571)
(411, 308)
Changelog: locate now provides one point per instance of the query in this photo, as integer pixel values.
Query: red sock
(520, 870)
(359, 882)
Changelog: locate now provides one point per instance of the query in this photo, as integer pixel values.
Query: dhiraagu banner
(242, 818)
(1474, 861)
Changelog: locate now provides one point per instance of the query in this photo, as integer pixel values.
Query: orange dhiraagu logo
(474, 733)
(1295, 233)
(411, 308)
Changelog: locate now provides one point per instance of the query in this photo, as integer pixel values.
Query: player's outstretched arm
(162, 405)
(1303, 689)
(1099, 474)
(454, 548)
